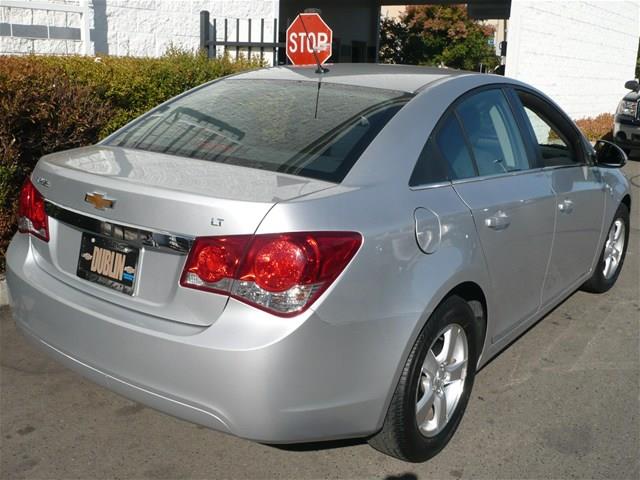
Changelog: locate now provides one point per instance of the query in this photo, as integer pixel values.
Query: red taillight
(281, 273)
(32, 217)
(280, 264)
(213, 262)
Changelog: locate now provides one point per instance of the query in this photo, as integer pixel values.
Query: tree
(437, 35)
(394, 36)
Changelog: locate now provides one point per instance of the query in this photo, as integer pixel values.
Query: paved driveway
(563, 401)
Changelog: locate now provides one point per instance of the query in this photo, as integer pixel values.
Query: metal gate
(210, 43)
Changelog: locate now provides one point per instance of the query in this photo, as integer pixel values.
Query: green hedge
(51, 103)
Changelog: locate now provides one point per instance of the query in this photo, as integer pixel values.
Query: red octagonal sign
(307, 33)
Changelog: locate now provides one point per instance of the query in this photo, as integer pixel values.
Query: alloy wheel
(441, 381)
(613, 249)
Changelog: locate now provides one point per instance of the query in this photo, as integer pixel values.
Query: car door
(579, 189)
(512, 203)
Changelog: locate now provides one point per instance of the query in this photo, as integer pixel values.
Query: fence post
(237, 37)
(204, 32)
(275, 42)
(213, 46)
(262, 39)
(249, 48)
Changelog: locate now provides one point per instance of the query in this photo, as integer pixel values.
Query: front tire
(613, 254)
(434, 387)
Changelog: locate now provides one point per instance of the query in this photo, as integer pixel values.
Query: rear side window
(453, 147)
(445, 156)
(296, 127)
(430, 167)
(493, 133)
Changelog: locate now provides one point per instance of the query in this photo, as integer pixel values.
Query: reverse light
(280, 273)
(32, 217)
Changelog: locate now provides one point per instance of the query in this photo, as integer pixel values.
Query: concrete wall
(578, 52)
(131, 27)
(25, 30)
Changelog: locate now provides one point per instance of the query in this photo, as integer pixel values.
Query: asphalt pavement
(563, 401)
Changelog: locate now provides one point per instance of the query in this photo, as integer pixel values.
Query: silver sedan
(292, 256)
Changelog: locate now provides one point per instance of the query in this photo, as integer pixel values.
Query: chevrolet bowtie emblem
(99, 201)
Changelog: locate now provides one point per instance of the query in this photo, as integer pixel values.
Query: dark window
(430, 167)
(556, 140)
(493, 133)
(453, 147)
(283, 126)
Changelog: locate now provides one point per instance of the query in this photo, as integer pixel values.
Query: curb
(4, 296)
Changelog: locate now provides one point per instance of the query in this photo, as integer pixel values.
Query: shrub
(596, 128)
(51, 103)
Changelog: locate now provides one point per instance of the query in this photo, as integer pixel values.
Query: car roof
(406, 78)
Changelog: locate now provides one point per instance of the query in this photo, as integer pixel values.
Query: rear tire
(613, 254)
(435, 385)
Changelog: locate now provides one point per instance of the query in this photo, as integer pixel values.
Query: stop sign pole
(309, 40)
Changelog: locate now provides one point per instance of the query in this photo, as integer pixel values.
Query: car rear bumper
(253, 375)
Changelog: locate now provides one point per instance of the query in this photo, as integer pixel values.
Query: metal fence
(209, 41)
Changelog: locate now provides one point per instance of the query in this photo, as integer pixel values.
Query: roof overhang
(478, 9)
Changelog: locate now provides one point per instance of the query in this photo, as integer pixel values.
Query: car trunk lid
(157, 204)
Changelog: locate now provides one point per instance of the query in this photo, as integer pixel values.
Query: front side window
(294, 127)
(551, 133)
(493, 133)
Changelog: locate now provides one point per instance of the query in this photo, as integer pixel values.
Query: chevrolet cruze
(292, 256)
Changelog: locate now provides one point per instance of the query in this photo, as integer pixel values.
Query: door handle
(566, 206)
(499, 221)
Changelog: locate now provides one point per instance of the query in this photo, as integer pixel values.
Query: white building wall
(28, 24)
(134, 27)
(392, 12)
(580, 53)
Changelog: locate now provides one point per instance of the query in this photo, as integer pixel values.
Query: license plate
(108, 262)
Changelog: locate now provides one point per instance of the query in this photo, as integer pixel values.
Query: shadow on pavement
(311, 446)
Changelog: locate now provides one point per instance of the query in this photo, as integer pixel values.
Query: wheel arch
(468, 290)
(473, 294)
(627, 201)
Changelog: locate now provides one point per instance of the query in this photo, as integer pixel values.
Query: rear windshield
(298, 127)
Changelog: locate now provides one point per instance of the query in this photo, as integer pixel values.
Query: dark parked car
(626, 127)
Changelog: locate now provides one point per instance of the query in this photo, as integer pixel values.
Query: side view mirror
(632, 85)
(608, 154)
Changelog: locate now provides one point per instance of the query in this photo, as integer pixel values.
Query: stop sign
(308, 32)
